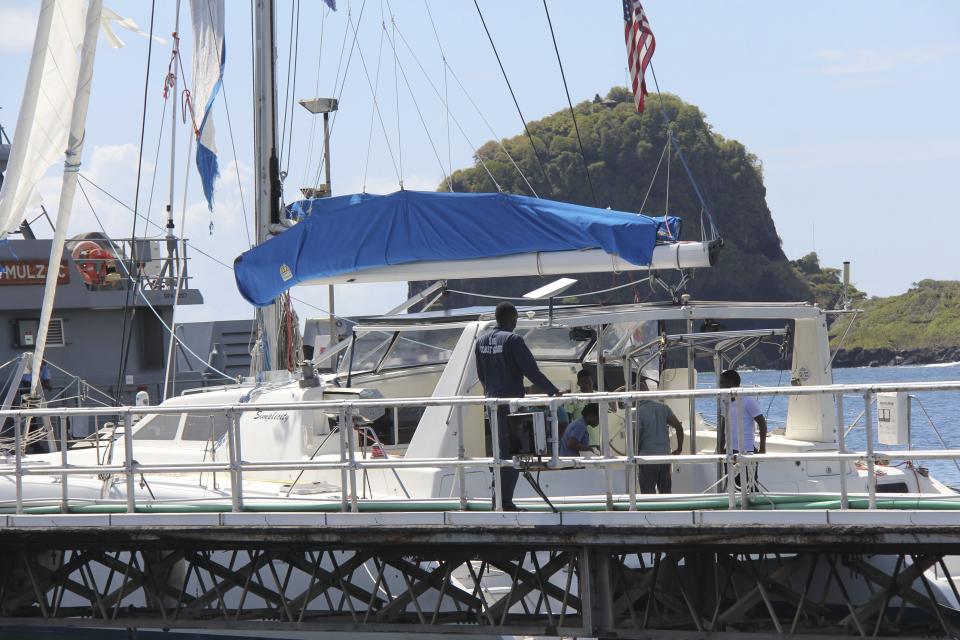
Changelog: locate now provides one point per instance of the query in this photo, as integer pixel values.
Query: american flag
(640, 47)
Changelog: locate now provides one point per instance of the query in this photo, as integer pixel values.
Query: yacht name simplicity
(271, 415)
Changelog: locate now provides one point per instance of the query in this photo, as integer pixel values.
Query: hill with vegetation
(622, 151)
(917, 327)
(825, 283)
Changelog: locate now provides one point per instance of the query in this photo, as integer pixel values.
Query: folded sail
(44, 118)
(353, 234)
(209, 56)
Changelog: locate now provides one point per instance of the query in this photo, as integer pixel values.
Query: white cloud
(17, 27)
(114, 169)
(837, 62)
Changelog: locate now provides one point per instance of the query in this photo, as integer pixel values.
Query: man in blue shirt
(503, 360)
(576, 437)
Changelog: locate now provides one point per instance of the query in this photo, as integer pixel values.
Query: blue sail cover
(346, 234)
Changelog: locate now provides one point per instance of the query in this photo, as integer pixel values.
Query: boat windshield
(418, 348)
(380, 350)
(554, 343)
(367, 351)
(622, 337)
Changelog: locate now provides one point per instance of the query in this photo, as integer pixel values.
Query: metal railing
(349, 465)
(158, 263)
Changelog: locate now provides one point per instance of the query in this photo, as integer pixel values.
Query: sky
(851, 107)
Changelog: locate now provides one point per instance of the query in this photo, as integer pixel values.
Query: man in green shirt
(654, 420)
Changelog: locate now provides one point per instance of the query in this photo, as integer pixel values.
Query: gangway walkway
(631, 574)
(732, 564)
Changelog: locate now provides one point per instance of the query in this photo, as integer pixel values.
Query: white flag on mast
(209, 56)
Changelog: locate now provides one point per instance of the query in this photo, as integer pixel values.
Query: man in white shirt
(744, 414)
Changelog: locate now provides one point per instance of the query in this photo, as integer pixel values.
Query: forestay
(349, 234)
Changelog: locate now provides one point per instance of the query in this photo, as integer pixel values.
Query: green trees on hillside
(825, 283)
(927, 316)
(622, 150)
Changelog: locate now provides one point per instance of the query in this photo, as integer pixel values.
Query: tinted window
(208, 426)
(163, 427)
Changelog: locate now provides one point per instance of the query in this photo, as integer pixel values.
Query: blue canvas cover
(346, 234)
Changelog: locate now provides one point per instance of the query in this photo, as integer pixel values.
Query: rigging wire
(376, 104)
(653, 179)
(396, 89)
(573, 114)
(353, 45)
(417, 107)
(316, 91)
(714, 233)
(156, 159)
(444, 99)
(446, 95)
(132, 280)
(454, 118)
(293, 51)
(194, 247)
(513, 95)
(127, 334)
(373, 113)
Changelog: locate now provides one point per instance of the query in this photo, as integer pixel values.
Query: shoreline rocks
(858, 357)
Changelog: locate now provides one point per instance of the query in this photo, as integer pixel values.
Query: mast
(172, 256)
(267, 171)
(71, 166)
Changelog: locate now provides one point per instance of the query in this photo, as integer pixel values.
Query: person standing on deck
(503, 360)
(744, 414)
(654, 420)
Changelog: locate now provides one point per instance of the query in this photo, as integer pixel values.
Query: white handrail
(348, 464)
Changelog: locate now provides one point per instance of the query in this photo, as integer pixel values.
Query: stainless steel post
(461, 456)
(744, 479)
(842, 448)
(691, 383)
(351, 457)
(871, 471)
(728, 436)
(344, 481)
(717, 370)
(128, 462)
(495, 442)
(236, 477)
(554, 432)
(396, 425)
(631, 467)
(604, 422)
(64, 489)
(18, 442)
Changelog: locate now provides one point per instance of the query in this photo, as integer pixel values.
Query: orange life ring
(96, 264)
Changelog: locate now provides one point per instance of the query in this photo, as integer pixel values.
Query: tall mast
(267, 205)
(173, 260)
(71, 166)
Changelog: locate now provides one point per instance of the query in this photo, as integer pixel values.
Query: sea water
(942, 407)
